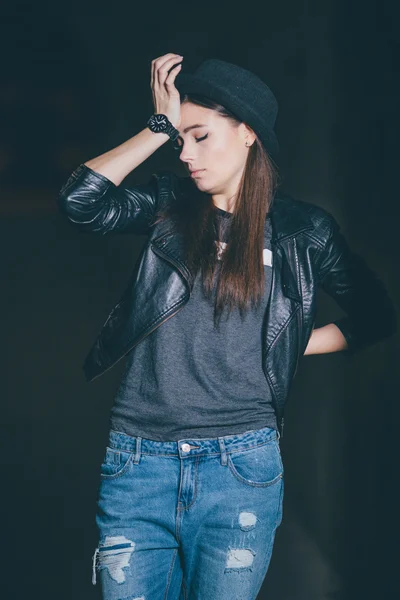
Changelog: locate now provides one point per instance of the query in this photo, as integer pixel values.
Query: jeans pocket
(115, 463)
(260, 466)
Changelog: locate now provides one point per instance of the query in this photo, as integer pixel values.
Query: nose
(187, 154)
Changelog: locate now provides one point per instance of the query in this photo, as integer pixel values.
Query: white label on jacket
(267, 254)
(267, 257)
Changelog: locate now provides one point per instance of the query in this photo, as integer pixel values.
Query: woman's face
(217, 148)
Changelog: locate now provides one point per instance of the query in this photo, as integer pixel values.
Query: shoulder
(317, 222)
(287, 202)
(169, 178)
(169, 183)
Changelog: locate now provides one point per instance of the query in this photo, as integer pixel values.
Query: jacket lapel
(288, 217)
(287, 222)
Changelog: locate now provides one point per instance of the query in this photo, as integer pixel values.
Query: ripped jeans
(190, 519)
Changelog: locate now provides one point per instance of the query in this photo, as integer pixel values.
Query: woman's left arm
(370, 314)
(325, 339)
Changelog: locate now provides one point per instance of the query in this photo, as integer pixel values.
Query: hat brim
(190, 84)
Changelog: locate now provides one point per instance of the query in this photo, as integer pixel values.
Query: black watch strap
(172, 131)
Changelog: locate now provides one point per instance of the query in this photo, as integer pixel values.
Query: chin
(198, 183)
(203, 188)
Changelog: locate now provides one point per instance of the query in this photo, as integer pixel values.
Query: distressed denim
(193, 519)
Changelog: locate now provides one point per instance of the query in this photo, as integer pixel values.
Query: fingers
(169, 82)
(160, 67)
(156, 63)
(162, 71)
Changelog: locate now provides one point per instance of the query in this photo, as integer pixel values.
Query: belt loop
(223, 451)
(138, 448)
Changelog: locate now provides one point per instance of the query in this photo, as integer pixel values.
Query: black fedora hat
(240, 91)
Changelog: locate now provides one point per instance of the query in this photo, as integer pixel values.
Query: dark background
(75, 82)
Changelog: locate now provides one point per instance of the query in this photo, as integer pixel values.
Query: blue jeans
(187, 520)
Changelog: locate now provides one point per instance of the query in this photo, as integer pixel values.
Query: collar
(289, 217)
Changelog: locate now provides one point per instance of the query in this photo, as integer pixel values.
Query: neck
(224, 202)
(224, 207)
(227, 197)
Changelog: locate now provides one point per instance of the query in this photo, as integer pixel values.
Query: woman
(218, 311)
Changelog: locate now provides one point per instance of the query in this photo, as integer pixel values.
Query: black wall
(75, 83)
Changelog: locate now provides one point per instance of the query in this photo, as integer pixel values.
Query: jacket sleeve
(95, 204)
(344, 275)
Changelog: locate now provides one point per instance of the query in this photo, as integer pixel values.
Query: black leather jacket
(308, 251)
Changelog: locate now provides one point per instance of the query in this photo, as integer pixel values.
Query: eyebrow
(192, 127)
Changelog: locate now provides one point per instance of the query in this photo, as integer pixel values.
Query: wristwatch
(160, 123)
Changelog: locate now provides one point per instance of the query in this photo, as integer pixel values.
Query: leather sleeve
(344, 275)
(96, 205)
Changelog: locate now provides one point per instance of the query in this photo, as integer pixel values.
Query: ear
(247, 134)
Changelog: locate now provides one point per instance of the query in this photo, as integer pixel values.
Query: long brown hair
(241, 277)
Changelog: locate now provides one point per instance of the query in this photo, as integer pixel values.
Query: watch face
(158, 123)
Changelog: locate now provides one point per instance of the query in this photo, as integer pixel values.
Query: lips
(194, 173)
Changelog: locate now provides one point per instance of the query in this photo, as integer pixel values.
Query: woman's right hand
(166, 98)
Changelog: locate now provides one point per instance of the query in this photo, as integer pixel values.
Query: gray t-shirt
(187, 379)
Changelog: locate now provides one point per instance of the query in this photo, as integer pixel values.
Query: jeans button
(185, 447)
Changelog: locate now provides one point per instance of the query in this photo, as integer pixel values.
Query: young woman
(219, 309)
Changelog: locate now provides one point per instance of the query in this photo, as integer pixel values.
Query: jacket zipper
(281, 419)
(137, 341)
(298, 318)
(162, 254)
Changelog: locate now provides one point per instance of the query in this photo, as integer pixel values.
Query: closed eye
(178, 145)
